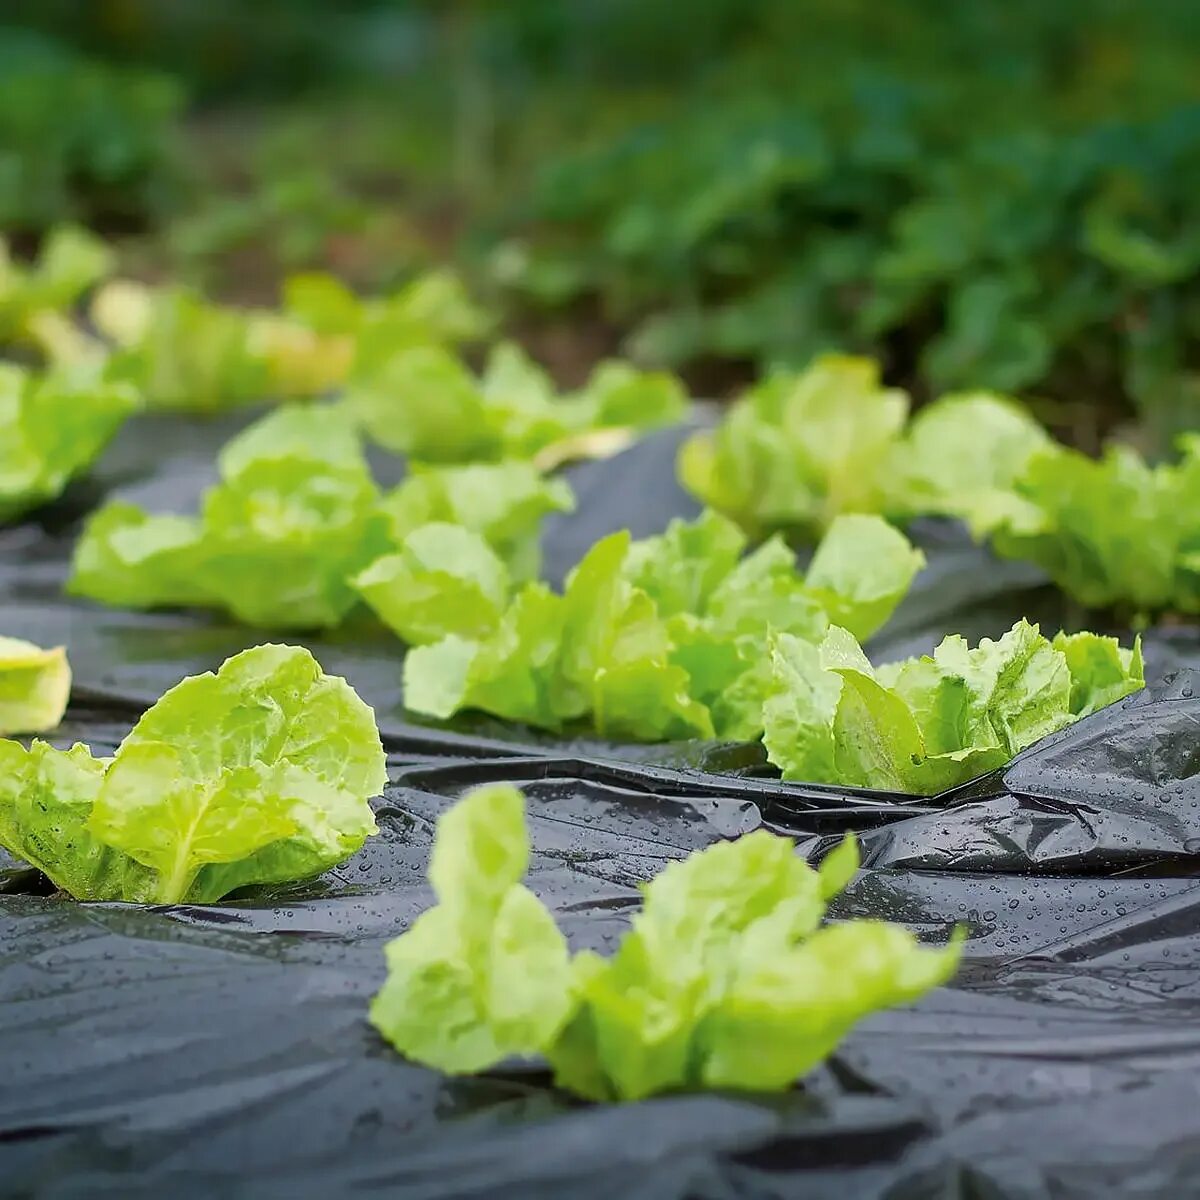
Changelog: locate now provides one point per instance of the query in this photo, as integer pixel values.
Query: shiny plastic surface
(224, 1051)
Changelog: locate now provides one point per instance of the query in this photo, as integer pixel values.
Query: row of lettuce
(681, 635)
(797, 450)
(263, 772)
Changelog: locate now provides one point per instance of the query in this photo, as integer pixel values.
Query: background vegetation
(1001, 194)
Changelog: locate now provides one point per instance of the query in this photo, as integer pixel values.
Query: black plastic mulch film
(224, 1051)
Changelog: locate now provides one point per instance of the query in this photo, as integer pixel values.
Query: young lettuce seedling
(727, 978)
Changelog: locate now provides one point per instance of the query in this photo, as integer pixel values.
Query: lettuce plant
(1112, 532)
(424, 402)
(185, 353)
(284, 539)
(294, 516)
(658, 639)
(727, 978)
(34, 299)
(34, 686)
(803, 447)
(800, 449)
(503, 503)
(259, 773)
(927, 724)
(53, 426)
(432, 309)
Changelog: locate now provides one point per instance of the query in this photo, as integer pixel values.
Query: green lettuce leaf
(1112, 532)
(784, 1013)
(962, 456)
(503, 502)
(512, 674)
(1100, 669)
(765, 591)
(422, 401)
(800, 449)
(180, 351)
(927, 724)
(71, 261)
(131, 559)
(443, 579)
(862, 569)
(52, 427)
(616, 651)
(484, 974)
(294, 517)
(46, 800)
(311, 432)
(432, 310)
(619, 395)
(259, 773)
(34, 686)
(681, 568)
(322, 301)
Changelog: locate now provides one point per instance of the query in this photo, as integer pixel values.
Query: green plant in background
(425, 402)
(34, 686)
(800, 448)
(53, 425)
(259, 773)
(35, 300)
(433, 309)
(187, 353)
(83, 141)
(653, 640)
(926, 724)
(727, 978)
(775, 208)
(776, 185)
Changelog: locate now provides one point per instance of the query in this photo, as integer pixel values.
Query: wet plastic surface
(224, 1051)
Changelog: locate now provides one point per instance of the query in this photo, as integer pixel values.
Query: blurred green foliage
(80, 140)
(1001, 194)
(984, 195)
